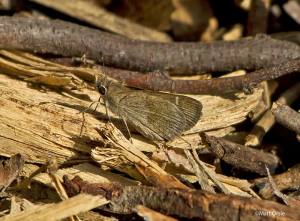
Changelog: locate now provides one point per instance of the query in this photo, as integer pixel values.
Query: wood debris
(10, 170)
(64, 156)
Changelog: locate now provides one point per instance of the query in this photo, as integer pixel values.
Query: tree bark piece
(10, 169)
(240, 156)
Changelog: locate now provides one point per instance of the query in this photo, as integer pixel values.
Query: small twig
(27, 181)
(176, 159)
(289, 180)
(210, 173)
(275, 189)
(201, 175)
(258, 17)
(290, 201)
(255, 137)
(161, 82)
(52, 167)
(240, 156)
(287, 117)
(66, 39)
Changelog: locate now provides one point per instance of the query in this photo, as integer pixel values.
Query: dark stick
(199, 205)
(160, 82)
(67, 39)
(287, 117)
(240, 156)
(258, 17)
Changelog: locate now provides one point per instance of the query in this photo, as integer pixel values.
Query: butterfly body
(157, 116)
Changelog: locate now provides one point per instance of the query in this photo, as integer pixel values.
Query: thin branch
(160, 82)
(258, 16)
(182, 203)
(279, 194)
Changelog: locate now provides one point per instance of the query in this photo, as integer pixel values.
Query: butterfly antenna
(105, 74)
(96, 77)
(105, 85)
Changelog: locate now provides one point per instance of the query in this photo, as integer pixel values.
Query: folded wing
(153, 116)
(190, 107)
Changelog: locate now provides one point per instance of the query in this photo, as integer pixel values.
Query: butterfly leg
(106, 110)
(86, 109)
(161, 148)
(161, 145)
(89, 107)
(127, 128)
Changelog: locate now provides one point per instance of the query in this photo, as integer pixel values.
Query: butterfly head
(101, 85)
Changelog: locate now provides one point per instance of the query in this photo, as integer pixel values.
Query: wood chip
(64, 209)
(96, 15)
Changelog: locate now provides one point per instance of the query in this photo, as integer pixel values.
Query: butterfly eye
(102, 90)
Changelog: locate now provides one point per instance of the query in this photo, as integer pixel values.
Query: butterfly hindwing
(153, 116)
(190, 107)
